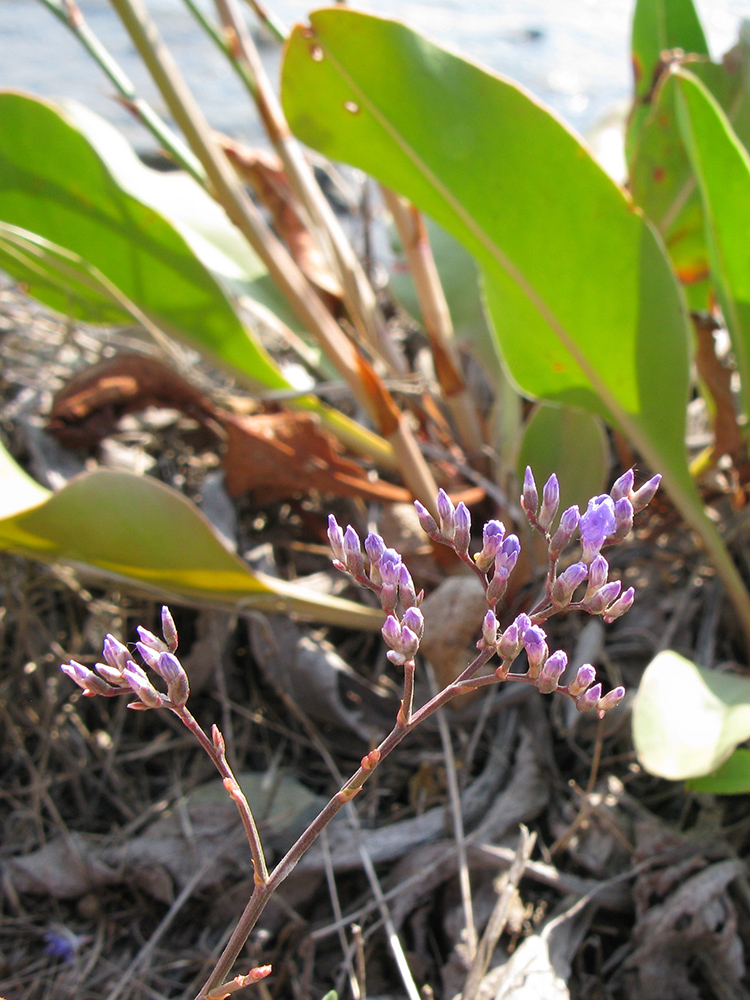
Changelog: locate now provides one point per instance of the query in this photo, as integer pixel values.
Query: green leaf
(52, 182)
(686, 720)
(570, 443)
(732, 778)
(147, 535)
(579, 289)
(722, 166)
(659, 25)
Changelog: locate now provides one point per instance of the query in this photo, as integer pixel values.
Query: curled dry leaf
(281, 454)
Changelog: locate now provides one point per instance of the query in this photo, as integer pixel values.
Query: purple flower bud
(389, 597)
(87, 680)
(150, 640)
(621, 605)
(566, 584)
(355, 564)
(391, 632)
(598, 574)
(530, 496)
(623, 520)
(409, 643)
(550, 503)
(374, 547)
(523, 622)
(112, 675)
(169, 629)
(608, 702)
(645, 494)
(446, 512)
(589, 699)
(149, 656)
(596, 604)
(489, 631)
(584, 678)
(173, 672)
(414, 619)
(565, 531)
(428, 522)
(596, 524)
(623, 486)
(115, 652)
(493, 534)
(553, 669)
(462, 522)
(406, 590)
(168, 667)
(507, 557)
(141, 686)
(390, 566)
(497, 586)
(336, 541)
(509, 644)
(534, 642)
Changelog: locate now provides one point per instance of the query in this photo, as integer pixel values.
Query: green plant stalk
(269, 20)
(358, 294)
(68, 12)
(230, 194)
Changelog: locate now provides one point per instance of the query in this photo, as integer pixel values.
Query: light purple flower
(462, 524)
(645, 494)
(530, 495)
(551, 672)
(550, 503)
(584, 678)
(623, 486)
(565, 531)
(566, 584)
(534, 642)
(621, 605)
(596, 524)
(427, 521)
(446, 512)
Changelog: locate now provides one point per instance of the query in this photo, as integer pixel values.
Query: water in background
(573, 55)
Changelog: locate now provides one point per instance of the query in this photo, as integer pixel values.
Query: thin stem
(215, 750)
(269, 20)
(68, 12)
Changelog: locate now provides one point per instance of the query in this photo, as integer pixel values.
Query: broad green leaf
(731, 778)
(570, 443)
(52, 182)
(145, 534)
(579, 289)
(203, 224)
(722, 166)
(686, 720)
(659, 25)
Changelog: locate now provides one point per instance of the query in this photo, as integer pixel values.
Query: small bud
(567, 583)
(623, 486)
(336, 541)
(550, 503)
(391, 632)
(169, 629)
(172, 671)
(584, 678)
(608, 702)
(623, 521)
(218, 740)
(553, 669)
(489, 631)
(509, 644)
(390, 566)
(497, 586)
(374, 547)
(596, 524)
(621, 605)
(141, 686)
(462, 522)
(115, 652)
(112, 675)
(150, 640)
(355, 564)
(530, 496)
(589, 699)
(414, 619)
(598, 574)
(565, 532)
(87, 680)
(507, 557)
(645, 494)
(534, 642)
(428, 522)
(409, 643)
(493, 534)
(149, 656)
(596, 604)
(446, 512)
(406, 590)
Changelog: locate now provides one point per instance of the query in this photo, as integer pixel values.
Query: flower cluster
(607, 520)
(120, 674)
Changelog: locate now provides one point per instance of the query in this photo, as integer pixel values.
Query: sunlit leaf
(686, 720)
(731, 778)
